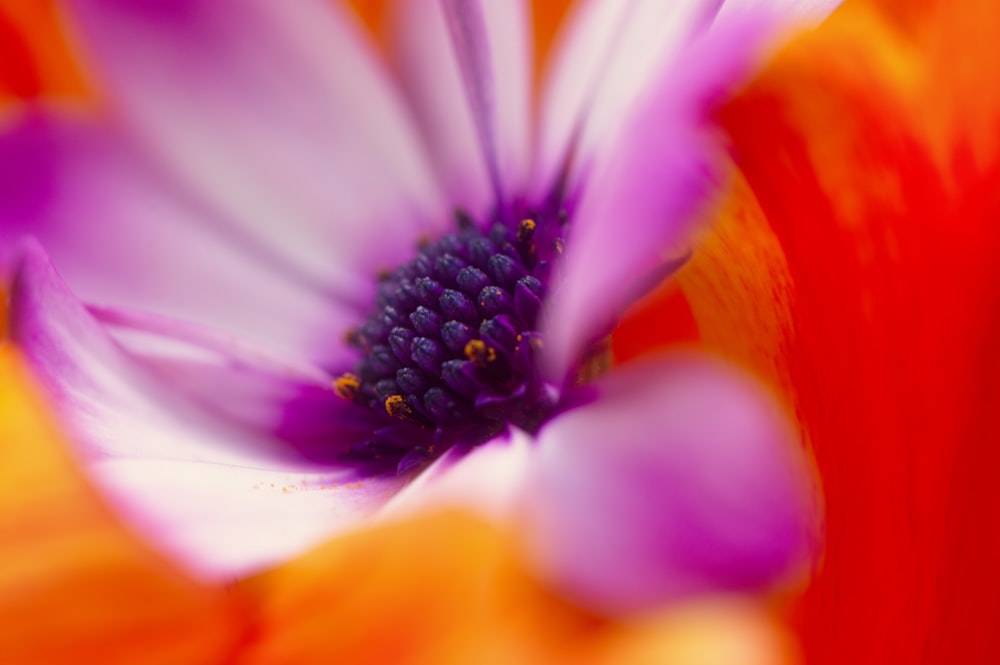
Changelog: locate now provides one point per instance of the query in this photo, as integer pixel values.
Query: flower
(231, 207)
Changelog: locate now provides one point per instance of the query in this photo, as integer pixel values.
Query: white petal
(280, 116)
(429, 66)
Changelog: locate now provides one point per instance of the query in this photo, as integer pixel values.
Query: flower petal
(188, 482)
(655, 183)
(679, 478)
(451, 589)
(280, 117)
(242, 383)
(658, 164)
(224, 521)
(122, 235)
(37, 61)
(72, 580)
(466, 69)
(609, 53)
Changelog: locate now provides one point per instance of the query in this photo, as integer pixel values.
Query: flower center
(451, 344)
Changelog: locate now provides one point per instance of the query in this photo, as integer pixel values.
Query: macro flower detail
(452, 342)
(316, 289)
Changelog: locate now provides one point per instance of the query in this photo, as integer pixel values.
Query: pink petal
(610, 52)
(605, 58)
(280, 116)
(242, 383)
(479, 122)
(217, 498)
(647, 191)
(680, 478)
(124, 236)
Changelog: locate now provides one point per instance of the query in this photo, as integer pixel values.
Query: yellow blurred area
(74, 586)
(447, 588)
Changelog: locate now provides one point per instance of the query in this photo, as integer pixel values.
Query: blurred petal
(72, 581)
(654, 185)
(679, 478)
(611, 50)
(280, 117)
(224, 521)
(123, 235)
(711, 631)
(448, 589)
(36, 60)
(466, 69)
(445, 587)
(236, 502)
(872, 153)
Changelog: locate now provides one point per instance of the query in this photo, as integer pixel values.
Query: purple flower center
(451, 344)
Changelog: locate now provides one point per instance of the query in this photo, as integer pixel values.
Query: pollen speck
(480, 354)
(346, 386)
(525, 230)
(396, 406)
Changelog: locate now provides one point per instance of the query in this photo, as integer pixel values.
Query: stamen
(479, 354)
(396, 406)
(347, 386)
(525, 231)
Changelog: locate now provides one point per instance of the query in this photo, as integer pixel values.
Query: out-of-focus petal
(871, 151)
(223, 521)
(474, 132)
(679, 478)
(72, 581)
(219, 499)
(123, 235)
(609, 53)
(709, 631)
(446, 588)
(655, 183)
(442, 588)
(37, 62)
(280, 117)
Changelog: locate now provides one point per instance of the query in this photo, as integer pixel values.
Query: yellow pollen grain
(480, 354)
(525, 234)
(347, 386)
(396, 406)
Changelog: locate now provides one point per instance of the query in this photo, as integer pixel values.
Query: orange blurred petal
(448, 588)
(859, 269)
(36, 60)
(74, 585)
(547, 17)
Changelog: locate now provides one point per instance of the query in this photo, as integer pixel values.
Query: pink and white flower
(317, 288)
